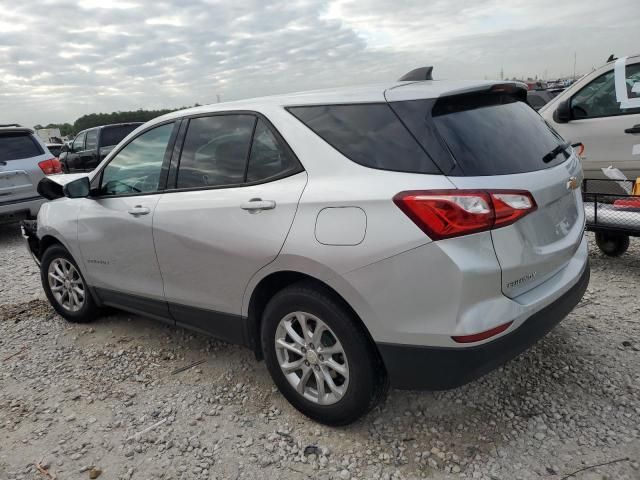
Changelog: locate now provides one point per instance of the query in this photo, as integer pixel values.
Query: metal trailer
(612, 213)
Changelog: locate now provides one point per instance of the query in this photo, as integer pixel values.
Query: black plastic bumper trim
(440, 368)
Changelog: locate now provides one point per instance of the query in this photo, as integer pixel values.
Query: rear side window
(482, 134)
(14, 146)
(110, 136)
(268, 157)
(215, 151)
(368, 134)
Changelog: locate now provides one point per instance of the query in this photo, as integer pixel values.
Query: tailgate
(540, 244)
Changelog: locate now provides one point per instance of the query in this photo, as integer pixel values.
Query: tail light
(50, 166)
(452, 213)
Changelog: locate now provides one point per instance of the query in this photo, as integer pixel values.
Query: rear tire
(612, 244)
(335, 381)
(65, 287)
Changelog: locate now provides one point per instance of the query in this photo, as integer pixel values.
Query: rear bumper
(27, 207)
(440, 368)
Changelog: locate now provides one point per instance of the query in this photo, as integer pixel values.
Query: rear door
(20, 153)
(72, 159)
(88, 158)
(498, 142)
(235, 197)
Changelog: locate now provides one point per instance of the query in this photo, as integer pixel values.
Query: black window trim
(348, 104)
(621, 114)
(177, 153)
(96, 181)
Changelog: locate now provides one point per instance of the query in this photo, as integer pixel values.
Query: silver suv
(24, 161)
(416, 234)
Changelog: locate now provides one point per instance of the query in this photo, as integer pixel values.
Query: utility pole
(501, 73)
(575, 55)
(218, 97)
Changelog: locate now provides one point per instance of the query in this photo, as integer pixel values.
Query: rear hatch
(492, 140)
(20, 153)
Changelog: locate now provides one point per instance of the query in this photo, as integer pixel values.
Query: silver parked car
(24, 161)
(417, 234)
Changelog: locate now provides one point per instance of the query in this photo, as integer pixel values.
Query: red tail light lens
(50, 166)
(452, 213)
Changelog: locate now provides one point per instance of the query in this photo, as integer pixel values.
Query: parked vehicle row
(417, 234)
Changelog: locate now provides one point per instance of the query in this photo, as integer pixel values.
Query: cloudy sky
(60, 59)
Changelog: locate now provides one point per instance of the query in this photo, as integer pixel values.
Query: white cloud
(61, 59)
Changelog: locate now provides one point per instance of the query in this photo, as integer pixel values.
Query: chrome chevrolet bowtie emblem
(572, 183)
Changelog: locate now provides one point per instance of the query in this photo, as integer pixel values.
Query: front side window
(268, 156)
(137, 167)
(215, 151)
(78, 142)
(92, 140)
(598, 98)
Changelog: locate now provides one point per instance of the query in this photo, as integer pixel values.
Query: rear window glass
(369, 134)
(484, 134)
(113, 135)
(14, 146)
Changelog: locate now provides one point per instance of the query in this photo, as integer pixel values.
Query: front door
(115, 224)
(238, 187)
(72, 157)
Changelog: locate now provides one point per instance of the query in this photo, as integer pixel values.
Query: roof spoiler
(417, 75)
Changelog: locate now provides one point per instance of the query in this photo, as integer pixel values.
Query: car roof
(373, 93)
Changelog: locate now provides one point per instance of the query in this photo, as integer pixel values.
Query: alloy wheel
(312, 358)
(66, 284)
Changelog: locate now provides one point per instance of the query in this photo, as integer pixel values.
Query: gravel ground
(105, 397)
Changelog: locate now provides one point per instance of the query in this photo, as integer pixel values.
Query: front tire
(65, 287)
(319, 355)
(612, 244)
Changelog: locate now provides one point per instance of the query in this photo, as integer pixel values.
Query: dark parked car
(90, 146)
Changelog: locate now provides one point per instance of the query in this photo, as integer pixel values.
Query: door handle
(634, 129)
(256, 205)
(139, 210)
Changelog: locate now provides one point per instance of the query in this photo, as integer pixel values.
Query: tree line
(98, 119)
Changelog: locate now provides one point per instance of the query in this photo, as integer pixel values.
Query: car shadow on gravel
(9, 232)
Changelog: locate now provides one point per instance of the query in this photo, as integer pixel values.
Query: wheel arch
(274, 282)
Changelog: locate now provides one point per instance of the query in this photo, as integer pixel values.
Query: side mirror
(65, 148)
(563, 112)
(50, 189)
(79, 188)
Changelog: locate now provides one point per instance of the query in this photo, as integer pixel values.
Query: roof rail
(417, 75)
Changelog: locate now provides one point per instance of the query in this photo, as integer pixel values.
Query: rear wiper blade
(562, 148)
